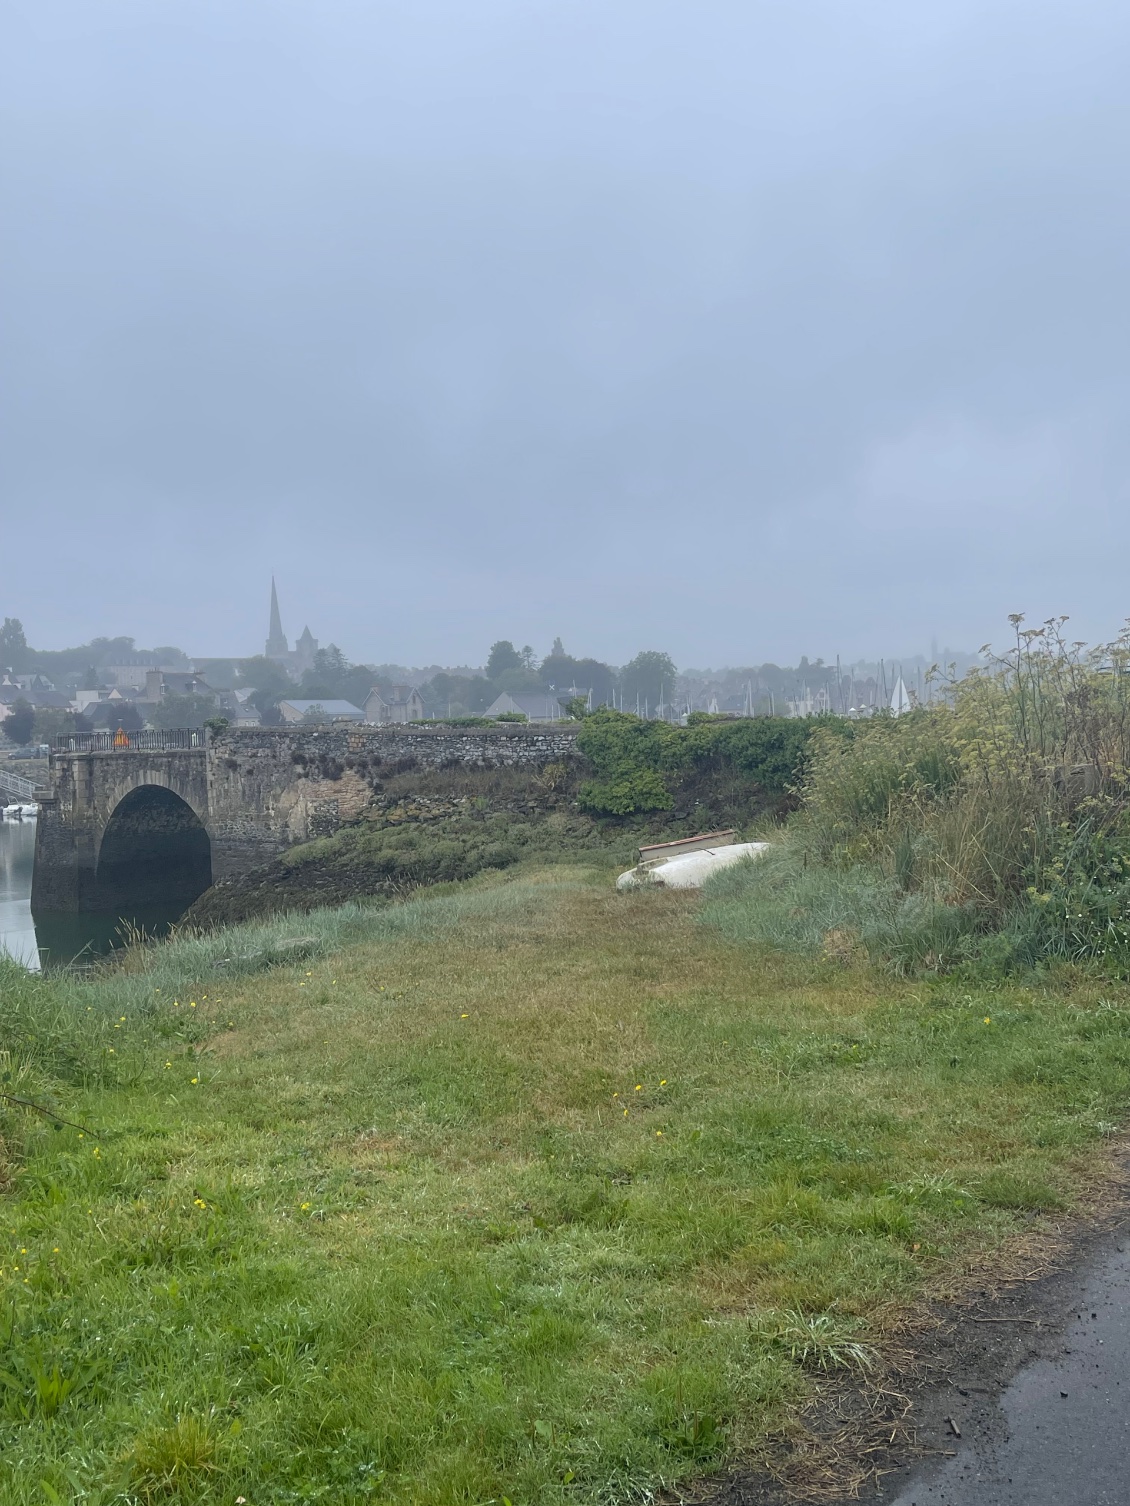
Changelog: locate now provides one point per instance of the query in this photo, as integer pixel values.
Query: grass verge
(526, 1191)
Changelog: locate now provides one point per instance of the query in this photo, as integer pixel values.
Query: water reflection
(56, 940)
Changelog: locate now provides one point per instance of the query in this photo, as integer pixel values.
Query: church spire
(276, 641)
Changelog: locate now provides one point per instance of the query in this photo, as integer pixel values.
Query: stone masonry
(258, 791)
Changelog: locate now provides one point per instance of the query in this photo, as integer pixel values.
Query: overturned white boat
(688, 863)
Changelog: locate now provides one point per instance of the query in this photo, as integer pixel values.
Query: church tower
(277, 647)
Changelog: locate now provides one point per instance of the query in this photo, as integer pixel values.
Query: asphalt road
(1059, 1435)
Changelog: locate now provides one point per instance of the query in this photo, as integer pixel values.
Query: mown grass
(528, 1191)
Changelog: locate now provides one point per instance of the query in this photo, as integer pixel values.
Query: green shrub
(769, 749)
(631, 794)
(635, 762)
(996, 823)
(628, 756)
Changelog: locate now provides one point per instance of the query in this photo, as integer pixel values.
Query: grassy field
(526, 1191)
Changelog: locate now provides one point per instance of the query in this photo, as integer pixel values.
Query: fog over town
(738, 332)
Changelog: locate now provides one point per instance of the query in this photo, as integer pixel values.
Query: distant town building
(534, 705)
(29, 683)
(131, 675)
(160, 683)
(325, 711)
(400, 704)
(35, 690)
(295, 661)
(82, 700)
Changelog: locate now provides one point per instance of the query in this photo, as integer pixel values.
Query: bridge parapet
(150, 740)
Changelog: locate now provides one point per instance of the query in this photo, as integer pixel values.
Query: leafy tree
(169, 656)
(20, 721)
(109, 716)
(269, 681)
(650, 678)
(333, 678)
(315, 715)
(14, 652)
(176, 711)
(558, 649)
(221, 674)
(503, 656)
(577, 708)
(330, 663)
(58, 664)
(519, 679)
(561, 671)
(51, 723)
(357, 682)
(457, 695)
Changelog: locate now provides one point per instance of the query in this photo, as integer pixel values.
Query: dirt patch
(958, 1348)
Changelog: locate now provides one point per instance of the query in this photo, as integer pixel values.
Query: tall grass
(1003, 810)
(791, 902)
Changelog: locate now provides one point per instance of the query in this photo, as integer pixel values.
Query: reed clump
(997, 819)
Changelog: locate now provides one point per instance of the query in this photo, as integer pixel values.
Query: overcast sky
(737, 330)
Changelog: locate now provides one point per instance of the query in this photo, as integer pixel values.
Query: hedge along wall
(635, 762)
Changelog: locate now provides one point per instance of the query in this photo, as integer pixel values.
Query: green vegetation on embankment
(527, 1190)
(411, 846)
(635, 781)
(987, 834)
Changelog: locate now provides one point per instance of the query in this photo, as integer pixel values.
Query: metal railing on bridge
(148, 741)
(15, 784)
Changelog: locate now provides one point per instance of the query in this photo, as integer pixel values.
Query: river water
(54, 940)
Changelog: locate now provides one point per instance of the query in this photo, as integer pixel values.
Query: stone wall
(260, 790)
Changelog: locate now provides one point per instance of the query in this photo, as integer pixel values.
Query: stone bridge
(154, 823)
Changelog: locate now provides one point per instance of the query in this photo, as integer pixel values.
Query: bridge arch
(155, 852)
